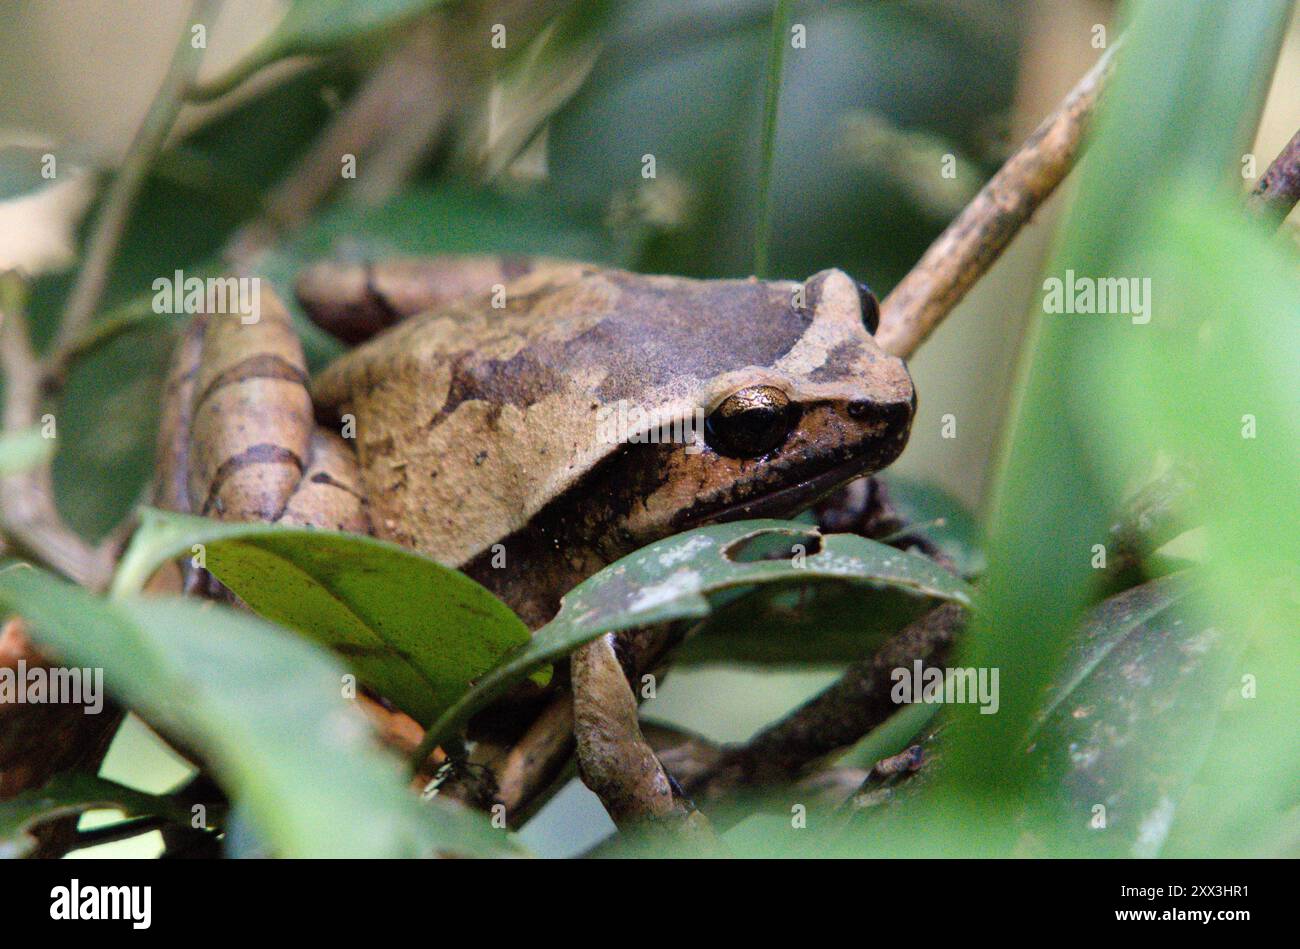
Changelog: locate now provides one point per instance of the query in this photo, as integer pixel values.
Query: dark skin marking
(260, 454)
(661, 334)
(261, 366)
(520, 380)
(839, 362)
(321, 477)
(512, 268)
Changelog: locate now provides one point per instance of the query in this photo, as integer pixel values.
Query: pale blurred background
(81, 73)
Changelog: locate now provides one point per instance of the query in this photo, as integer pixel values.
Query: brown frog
(476, 426)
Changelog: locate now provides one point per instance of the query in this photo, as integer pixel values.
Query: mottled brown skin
(478, 426)
(479, 439)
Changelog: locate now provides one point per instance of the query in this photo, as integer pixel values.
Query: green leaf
(1160, 199)
(23, 450)
(1128, 723)
(265, 709)
(107, 420)
(417, 632)
(313, 27)
(819, 623)
(1210, 266)
(676, 579)
(538, 77)
(67, 795)
(1186, 91)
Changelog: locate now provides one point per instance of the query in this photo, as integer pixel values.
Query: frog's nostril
(860, 408)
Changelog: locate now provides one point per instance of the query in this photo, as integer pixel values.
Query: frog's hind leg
(330, 494)
(354, 301)
(239, 441)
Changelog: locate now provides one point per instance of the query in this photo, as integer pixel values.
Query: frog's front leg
(614, 759)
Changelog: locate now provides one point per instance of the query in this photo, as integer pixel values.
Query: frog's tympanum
(476, 423)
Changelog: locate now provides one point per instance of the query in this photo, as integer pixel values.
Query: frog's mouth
(789, 501)
(783, 502)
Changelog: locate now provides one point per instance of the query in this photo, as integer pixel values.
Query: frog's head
(828, 407)
(481, 425)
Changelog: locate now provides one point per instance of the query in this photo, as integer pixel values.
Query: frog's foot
(354, 301)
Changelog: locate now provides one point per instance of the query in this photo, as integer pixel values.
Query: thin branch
(836, 718)
(1279, 190)
(119, 831)
(113, 216)
(28, 516)
(968, 248)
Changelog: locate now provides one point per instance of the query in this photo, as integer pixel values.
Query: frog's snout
(875, 424)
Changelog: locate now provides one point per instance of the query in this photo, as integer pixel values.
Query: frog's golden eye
(750, 422)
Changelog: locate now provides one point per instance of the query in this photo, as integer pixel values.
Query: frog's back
(472, 416)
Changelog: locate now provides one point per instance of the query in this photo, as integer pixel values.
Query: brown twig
(406, 97)
(93, 276)
(836, 718)
(526, 772)
(965, 251)
(28, 515)
(1278, 191)
(1152, 517)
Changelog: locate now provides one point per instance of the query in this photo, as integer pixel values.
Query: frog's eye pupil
(749, 423)
(870, 309)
